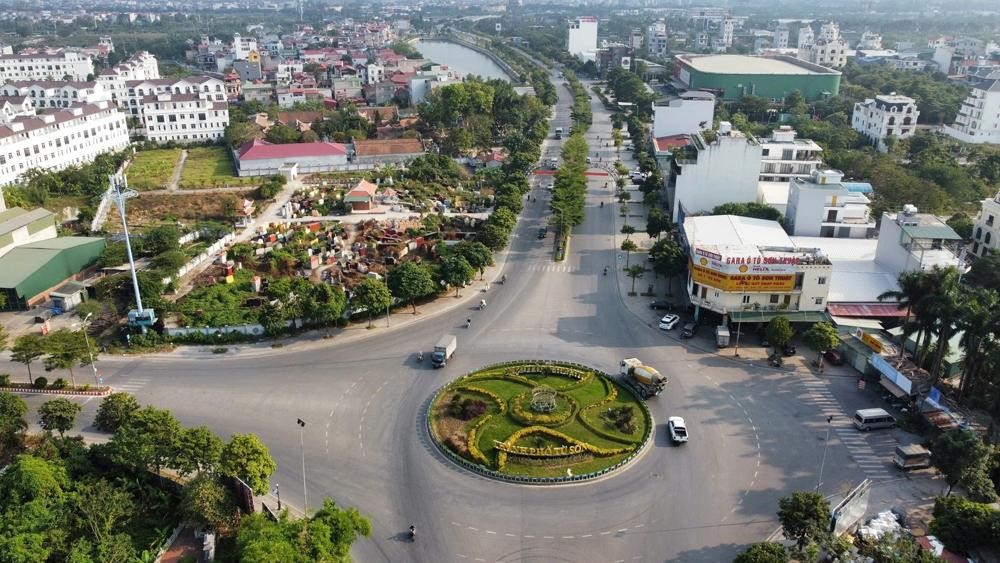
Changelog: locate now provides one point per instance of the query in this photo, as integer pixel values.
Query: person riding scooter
(482, 304)
(413, 533)
(420, 356)
(605, 270)
(468, 322)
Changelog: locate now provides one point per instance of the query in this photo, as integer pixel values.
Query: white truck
(444, 350)
(644, 380)
(559, 132)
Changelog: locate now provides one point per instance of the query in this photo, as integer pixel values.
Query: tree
(161, 239)
(962, 225)
(207, 503)
(114, 254)
(764, 552)
(238, 133)
(985, 271)
(628, 231)
(804, 517)
(821, 336)
(476, 254)
(283, 134)
(12, 422)
(170, 261)
(410, 281)
(58, 414)
(115, 410)
(147, 440)
(910, 296)
(372, 295)
(635, 272)
(962, 524)
(958, 454)
(779, 332)
(895, 548)
(752, 209)
(198, 451)
(102, 508)
(628, 246)
(656, 222)
(334, 529)
(247, 458)
(65, 349)
(28, 348)
(88, 308)
(456, 272)
(668, 260)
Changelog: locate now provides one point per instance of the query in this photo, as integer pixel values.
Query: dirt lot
(155, 208)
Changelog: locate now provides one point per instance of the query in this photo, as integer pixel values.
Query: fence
(486, 472)
(247, 330)
(201, 258)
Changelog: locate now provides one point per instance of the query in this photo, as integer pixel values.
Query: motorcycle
(605, 270)
(420, 356)
(482, 304)
(503, 279)
(413, 533)
(776, 360)
(468, 323)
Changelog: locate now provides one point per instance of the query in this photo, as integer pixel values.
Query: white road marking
(474, 529)
(491, 532)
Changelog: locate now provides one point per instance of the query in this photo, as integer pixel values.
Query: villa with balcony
(978, 120)
(823, 205)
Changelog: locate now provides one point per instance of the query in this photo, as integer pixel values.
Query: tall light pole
(90, 352)
(305, 497)
(142, 317)
(739, 324)
(826, 446)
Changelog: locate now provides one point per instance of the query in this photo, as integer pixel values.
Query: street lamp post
(305, 496)
(826, 446)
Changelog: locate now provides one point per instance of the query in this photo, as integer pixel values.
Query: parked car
(788, 349)
(834, 357)
(678, 430)
(662, 306)
(668, 322)
(689, 330)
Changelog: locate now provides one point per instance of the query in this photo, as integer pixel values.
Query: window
(821, 280)
(766, 152)
(818, 300)
(986, 239)
(774, 298)
(746, 299)
(979, 233)
(989, 221)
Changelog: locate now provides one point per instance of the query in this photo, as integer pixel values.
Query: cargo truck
(444, 350)
(644, 380)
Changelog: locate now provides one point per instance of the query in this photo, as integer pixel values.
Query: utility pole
(826, 446)
(305, 496)
(141, 317)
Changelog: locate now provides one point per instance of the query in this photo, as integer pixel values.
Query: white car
(678, 431)
(668, 322)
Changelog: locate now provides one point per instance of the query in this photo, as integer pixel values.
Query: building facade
(745, 268)
(731, 77)
(821, 206)
(183, 118)
(56, 94)
(784, 157)
(712, 173)
(582, 38)
(261, 158)
(690, 112)
(76, 66)
(978, 120)
(986, 227)
(885, 116)
(59, 138)
(910, 241)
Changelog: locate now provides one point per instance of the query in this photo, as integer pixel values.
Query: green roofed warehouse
(731, 77)
(28, 273)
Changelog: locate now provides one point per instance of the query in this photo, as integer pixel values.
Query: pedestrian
(487, 286)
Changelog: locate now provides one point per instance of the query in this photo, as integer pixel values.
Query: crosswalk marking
(551, 268)
(131, 384)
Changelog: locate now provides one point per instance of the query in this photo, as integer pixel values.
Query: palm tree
(635, 272)
(945, 307)
(910, 293)
(979, 320)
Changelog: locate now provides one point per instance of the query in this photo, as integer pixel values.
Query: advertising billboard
(750, 281)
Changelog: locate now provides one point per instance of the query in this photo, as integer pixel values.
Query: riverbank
(512, 75)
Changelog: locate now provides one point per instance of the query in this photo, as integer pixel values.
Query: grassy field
(151, 170)
(153, 209)
(208, 167)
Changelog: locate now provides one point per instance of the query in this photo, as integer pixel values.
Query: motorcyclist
(482, 303)
(413, 532)
(605, 270)
(468, 322)
(602, 204)
(503, 278)
(420, 356)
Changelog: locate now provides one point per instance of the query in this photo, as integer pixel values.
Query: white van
(870, 419)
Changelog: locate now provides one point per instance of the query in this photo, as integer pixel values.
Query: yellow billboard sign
(750, 282)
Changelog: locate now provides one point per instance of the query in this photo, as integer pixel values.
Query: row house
(183, 117)
(45, 66)
(55, 94)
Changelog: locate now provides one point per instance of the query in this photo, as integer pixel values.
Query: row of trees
(580, 112)
(570, 185)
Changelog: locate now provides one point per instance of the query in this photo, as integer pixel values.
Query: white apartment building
(825, 52)
(784, 157)
(909, 63)
(688, 113)
(243, 46)
(749, 269)
(286, 71)
(59, 138)
(829, 31)
(986, 230)
(781, 37)
(76, 66)
(582, 38)
(806, 36)
(183, 117)
(909, 241)
(372, 73)
(870, 40)
(635, 39)
(712, 173)
(885, 116)
(55, 94)
(822, 206)
(137, 91)
(140, 66)
(978, 120)
(728, 29)
(657, 43)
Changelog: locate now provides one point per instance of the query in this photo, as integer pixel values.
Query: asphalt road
(755, 434)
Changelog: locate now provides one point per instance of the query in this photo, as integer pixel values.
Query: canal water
(462, 59)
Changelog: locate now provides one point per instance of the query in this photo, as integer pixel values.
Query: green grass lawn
(151, 170)
(501, 426)
(208, 167)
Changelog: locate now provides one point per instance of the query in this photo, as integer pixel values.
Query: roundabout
(539, 422)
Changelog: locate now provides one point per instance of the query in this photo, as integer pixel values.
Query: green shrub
(59, 383)
(40, 383)
(220, 350)
(4, 379)
(963, 524)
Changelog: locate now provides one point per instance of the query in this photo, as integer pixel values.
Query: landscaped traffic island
(539, 422)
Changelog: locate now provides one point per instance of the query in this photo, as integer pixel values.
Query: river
(462, 59)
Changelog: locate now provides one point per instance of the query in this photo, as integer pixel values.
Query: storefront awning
(892, 387)
(766, 316)
(874, 310)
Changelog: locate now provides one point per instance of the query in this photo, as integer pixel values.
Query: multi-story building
(140, 66)
(711, 172)
(781, 37)
(823, 206)
(657, 43)
(55, 94)
(831, 53)
(705, 16)
(746, 268)
(138, 91)
(243, 46)
(582, 38)
(74, 135)
(635, 39)
(784, 157)
(183, 117)
(909, 241)
(829, 31)
(986, 229)
(910, 63)
(870, 40)
(885, 116)
(978, 120)
(688, 113)
(806, 36)
(728, 29)
(59, 66)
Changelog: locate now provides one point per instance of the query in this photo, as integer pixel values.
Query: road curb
(69, 392)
